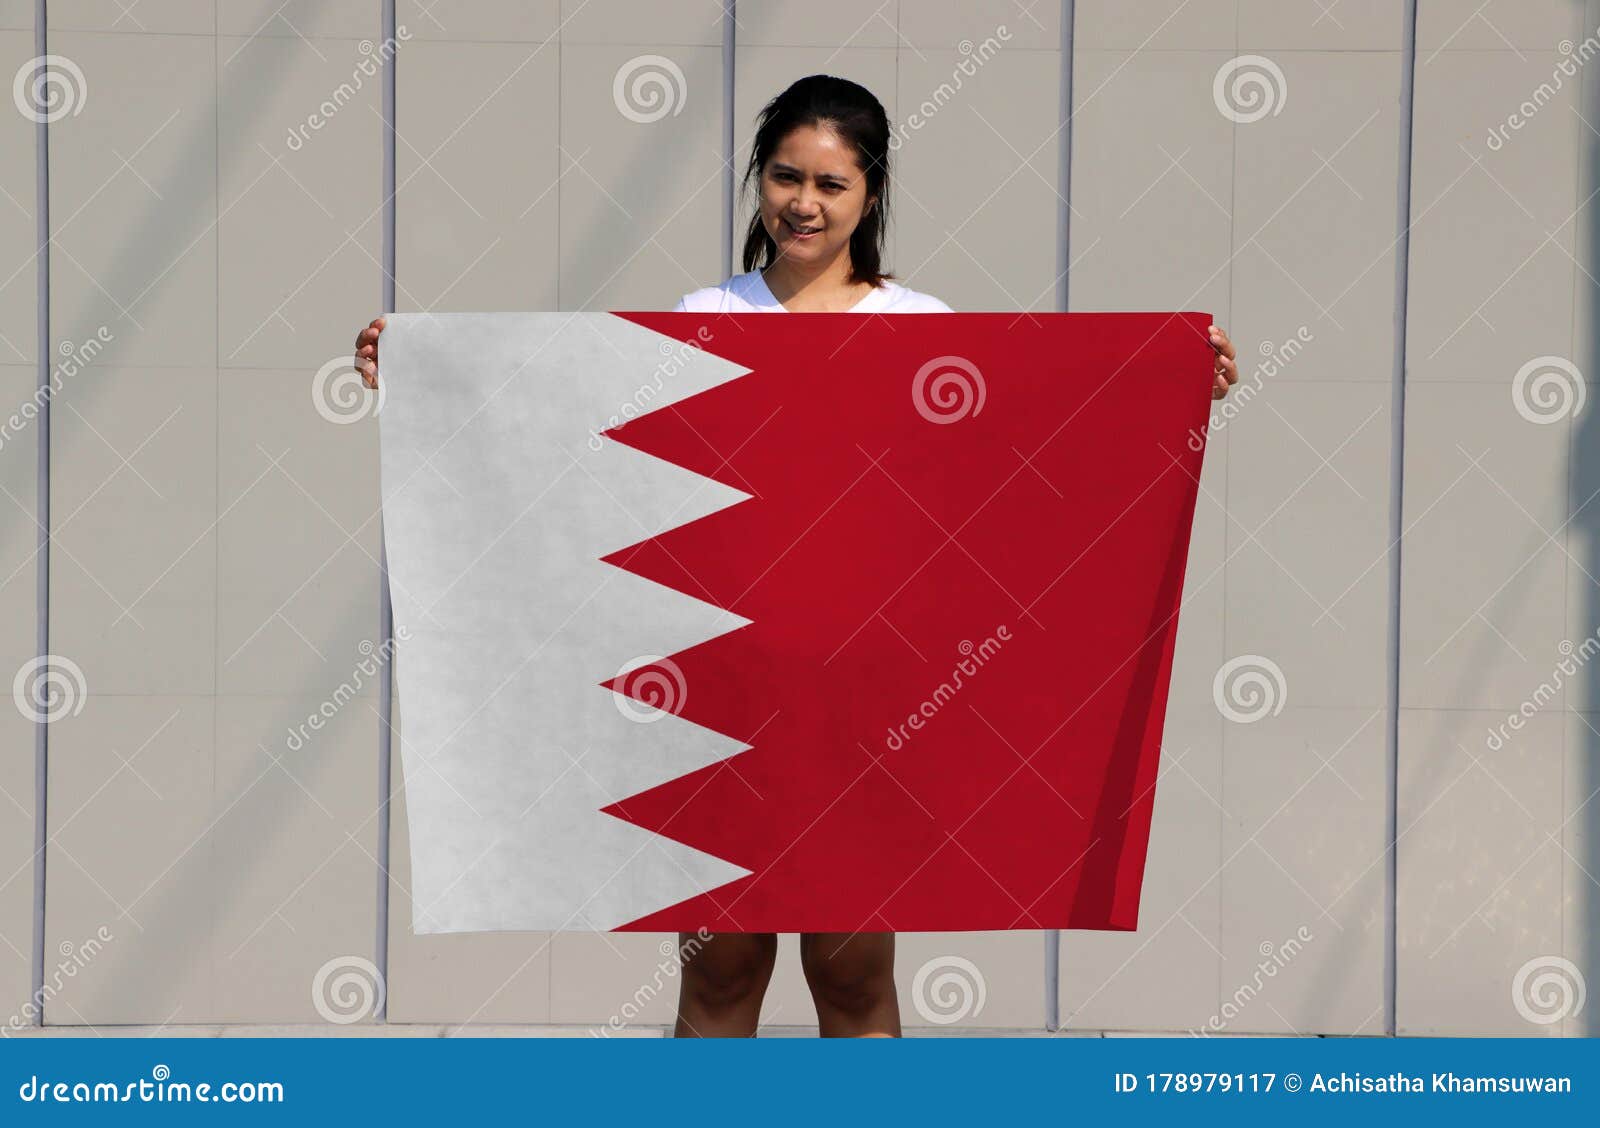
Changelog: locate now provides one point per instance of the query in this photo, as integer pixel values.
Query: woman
(821, 166)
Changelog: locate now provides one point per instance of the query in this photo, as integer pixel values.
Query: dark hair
(852, 111)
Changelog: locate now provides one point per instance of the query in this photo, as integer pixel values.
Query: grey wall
(214, 561)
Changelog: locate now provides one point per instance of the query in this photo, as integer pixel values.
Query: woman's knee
(851, 973)
(728, 969)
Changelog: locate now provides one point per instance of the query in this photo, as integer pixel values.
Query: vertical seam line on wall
(730, 26)
(217, 511)
(385, 607)
(41, 732)
(1397, 432)
(890, 238)
(1220, 724)
(1052, 937)
(561, 151)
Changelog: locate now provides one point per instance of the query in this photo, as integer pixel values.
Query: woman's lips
(796, 234)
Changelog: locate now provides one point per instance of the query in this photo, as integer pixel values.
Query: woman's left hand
(1225, 372)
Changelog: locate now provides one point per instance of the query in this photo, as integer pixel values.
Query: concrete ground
(448, 1030)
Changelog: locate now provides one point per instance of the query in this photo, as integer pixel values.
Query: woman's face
(813, 193)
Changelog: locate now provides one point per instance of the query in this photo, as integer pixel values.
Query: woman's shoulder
(902, 299)
(733, 295)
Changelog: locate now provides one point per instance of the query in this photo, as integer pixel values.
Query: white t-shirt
(748, 293)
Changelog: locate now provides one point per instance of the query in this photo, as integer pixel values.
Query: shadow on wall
(158, 961)
(168, 969)
(1582, 911)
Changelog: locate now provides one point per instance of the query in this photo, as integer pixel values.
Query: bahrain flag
(819, 622)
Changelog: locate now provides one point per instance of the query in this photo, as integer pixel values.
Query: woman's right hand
(367, 352)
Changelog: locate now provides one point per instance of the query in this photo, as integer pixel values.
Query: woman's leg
(851, 976)
(724, 980)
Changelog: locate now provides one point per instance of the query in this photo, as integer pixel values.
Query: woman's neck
(826, 290)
